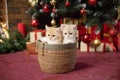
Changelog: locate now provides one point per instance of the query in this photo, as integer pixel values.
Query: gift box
(81, 31)
(35, 35)
(93, 32)
(103, 47)
(119, 41)
(90, 30)
(31, 48)
(106, 36)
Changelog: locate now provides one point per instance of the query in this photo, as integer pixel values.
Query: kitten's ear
(75, 27)
(62, 26)
(46, 27)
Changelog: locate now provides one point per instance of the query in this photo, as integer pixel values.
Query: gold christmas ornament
(30, 1)
(33, 3)
(53, 2)
(53, 22)
(96, 42)
(1, 41)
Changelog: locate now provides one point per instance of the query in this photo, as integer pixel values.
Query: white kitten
(69, 33)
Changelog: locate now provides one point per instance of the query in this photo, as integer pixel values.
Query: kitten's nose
(68, 36)
(50, 38)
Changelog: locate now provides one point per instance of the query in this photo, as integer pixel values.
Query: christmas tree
(90, 12)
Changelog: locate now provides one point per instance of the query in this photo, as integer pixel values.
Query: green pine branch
(15, 42)
(103, 11)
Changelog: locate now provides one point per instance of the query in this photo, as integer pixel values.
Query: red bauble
(67, 3)
(45, 8)
(92, 2)
(113, 32)
(35, 23)
(53, 10)
(86, 38)
(82, 11)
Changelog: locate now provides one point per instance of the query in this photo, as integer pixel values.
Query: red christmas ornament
(92, 2)
(82, 11)
(113, 32)
(86, 38)
(45, 8)
(35, 23)
(67, 3)
(53, 10)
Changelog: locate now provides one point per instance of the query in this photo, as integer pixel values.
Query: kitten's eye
(70, 33)
(48, 34)
(65, 33)
(53, 35)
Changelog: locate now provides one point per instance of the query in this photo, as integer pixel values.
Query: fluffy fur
(69, 33)
(53, 35)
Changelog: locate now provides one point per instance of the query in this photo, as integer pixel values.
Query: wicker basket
(57, 58)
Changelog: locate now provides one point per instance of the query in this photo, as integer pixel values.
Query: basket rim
(56, 46)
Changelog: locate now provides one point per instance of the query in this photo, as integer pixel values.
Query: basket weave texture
(59, 58)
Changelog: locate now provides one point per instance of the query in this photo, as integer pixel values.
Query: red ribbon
(36, 31)
(88, 48)
(119, 41)
(35, 35)
(104, 47)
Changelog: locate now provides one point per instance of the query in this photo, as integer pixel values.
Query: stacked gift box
(104, 39)
(34, 36)
(119, 41)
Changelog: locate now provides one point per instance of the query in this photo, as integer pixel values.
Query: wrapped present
(106, 36)
(31, 48)
(90, 30)
(119, 41)
(103, 47)
(81, 31)
(93, 32)
(35, 35)
(115, 42)
(111, 35)
(85, 47)
(116, 39)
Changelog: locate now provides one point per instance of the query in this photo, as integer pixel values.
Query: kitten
(69, 33)
(53, 35)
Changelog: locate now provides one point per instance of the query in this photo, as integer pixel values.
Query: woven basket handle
(42, 50)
